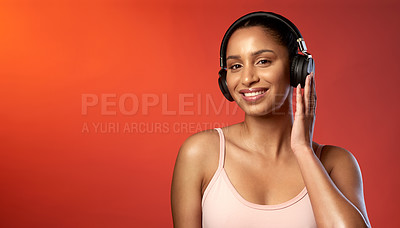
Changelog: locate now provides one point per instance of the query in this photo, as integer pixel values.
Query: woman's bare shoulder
(335, 156)
(200, 143)
(190, 173)
(196, 161)
(200, 150)
(345, 173)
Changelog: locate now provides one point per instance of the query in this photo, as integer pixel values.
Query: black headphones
(301, 66)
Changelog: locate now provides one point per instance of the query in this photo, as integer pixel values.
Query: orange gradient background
(55, 172)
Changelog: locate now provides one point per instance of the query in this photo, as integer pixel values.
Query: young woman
(266, 171)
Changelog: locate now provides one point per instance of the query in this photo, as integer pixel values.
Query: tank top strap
(221, 148)
(319, 149)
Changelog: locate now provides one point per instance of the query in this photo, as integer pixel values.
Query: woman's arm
(337, 199)
(196, 158)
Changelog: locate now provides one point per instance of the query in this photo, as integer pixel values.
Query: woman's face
(257, 71)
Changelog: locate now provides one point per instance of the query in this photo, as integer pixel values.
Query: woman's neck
(268, 134)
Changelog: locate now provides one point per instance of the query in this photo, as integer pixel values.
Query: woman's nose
(249, 76)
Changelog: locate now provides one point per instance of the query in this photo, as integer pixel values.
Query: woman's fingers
(306, 102)
(307, 95)
(299, 101)
(314, 94)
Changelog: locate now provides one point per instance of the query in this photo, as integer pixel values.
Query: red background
(54, 174)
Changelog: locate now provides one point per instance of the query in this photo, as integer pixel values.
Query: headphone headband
(300, 41)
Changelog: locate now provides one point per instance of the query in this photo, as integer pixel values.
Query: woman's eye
(263, 61)
(234, 67)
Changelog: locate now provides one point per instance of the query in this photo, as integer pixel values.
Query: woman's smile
(253, 94)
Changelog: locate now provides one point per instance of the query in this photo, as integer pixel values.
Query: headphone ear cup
(294, 76)
(223, 85)
(301, 67)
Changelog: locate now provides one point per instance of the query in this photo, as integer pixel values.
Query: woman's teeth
(254, 93)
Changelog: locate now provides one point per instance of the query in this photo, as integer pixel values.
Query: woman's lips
(253, 94)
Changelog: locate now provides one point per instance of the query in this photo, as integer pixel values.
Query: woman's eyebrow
(261, 51)
(233, 57)
(253, 54)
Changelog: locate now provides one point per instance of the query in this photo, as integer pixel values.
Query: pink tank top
(224, 207)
